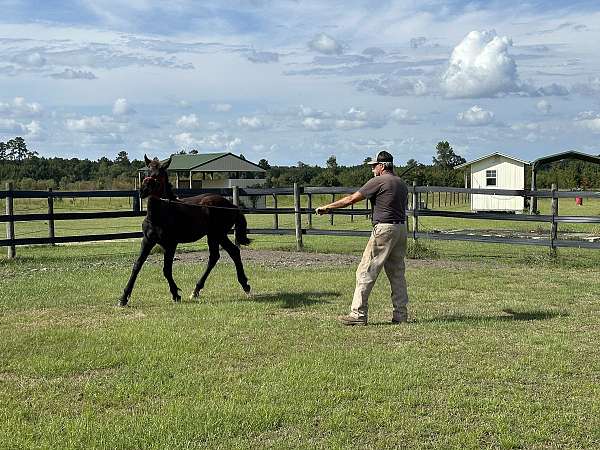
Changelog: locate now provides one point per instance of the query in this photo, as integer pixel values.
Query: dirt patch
(275, 258)
(279, 258)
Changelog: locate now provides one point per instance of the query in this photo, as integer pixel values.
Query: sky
(296, 80)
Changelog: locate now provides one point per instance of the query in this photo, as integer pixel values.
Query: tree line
(27, 170)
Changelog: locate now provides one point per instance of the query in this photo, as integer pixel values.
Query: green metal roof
(210, 162)
(571, 154)
(189, 162)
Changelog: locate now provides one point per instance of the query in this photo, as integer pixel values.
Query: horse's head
(156, 183)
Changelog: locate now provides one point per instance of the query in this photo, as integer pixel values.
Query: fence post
(415, 199)
(236, 195)
(51, 216)
(309, 215)
(275, 216)
(331, 215)
(554, 226)
(10, 226)
(135, 202)
(298, 217)
(351, 215)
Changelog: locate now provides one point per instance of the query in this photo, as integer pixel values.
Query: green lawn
(501, 352)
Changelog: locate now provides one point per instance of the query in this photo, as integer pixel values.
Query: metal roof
(571, 154)
(468, 163)
(210, 162)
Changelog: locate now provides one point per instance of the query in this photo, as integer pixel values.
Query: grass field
(501, 352)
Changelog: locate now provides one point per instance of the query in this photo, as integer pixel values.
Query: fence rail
(416, 211)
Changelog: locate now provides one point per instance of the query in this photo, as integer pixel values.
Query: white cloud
(475, 116)
(307, 111)
(251, 123)
(346, 124)
(394, 86)
(221, 107)
(417, 42)
(314, 124)
(122, 108)
(526, 127)
(189, 122)
(70, 74)
(18, 107)
(262, 57)
(550, 90)
(324, 43)
(356, 118)
(95, 124)
(401, 115)
(592, 87)
(544, 106)
(589, 120)
(215, 142)
(153, 144)
(34, 130)
(480, 66)
(31, 130)
(11, 126)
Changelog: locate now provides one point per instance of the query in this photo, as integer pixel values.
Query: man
(387, 245)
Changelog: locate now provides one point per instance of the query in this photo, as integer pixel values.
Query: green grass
(501, 352)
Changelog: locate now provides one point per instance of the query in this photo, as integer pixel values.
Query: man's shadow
(294, 299)
(508, 316)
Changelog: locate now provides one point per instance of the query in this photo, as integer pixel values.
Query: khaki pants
(386, 249)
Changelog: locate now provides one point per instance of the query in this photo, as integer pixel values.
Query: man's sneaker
(399, 320)
(351, 320)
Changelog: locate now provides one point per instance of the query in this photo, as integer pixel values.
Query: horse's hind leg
(234, 252)
(213, 257)
(168, 271)
(147, 246)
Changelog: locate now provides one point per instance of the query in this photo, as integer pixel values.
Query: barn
(214, 170)
(496, 171)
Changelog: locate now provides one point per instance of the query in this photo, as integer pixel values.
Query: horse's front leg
(234, 252)
(168, 270)
(213, 257)
(147, 246)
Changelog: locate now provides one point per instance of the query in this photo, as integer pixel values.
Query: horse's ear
(166, 165)
(146, 160)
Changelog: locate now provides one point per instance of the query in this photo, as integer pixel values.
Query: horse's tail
(241, 230)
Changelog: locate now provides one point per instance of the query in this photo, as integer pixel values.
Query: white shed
(496, 171)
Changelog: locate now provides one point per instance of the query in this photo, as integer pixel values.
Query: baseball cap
(382, 157)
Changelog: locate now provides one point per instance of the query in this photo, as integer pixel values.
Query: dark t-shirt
(389, 195)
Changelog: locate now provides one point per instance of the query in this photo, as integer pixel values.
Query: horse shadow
(508, 316)
(290, 300)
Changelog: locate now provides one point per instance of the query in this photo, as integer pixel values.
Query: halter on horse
(170, 221)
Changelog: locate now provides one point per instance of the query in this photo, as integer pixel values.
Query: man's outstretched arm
(341, 203)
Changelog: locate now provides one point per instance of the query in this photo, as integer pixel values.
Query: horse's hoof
(246, 289)
(122, 304)
(194, 295)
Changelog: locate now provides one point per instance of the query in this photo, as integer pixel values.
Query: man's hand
(322, 210)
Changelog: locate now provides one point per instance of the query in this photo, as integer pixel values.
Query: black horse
(170, 221)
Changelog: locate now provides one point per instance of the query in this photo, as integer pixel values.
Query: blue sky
(300, 80)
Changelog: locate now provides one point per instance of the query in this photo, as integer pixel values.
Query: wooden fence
(419, 200)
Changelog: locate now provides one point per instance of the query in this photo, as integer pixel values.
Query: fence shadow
(293, 299)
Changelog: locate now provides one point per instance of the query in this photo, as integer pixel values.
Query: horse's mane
(169, 190)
